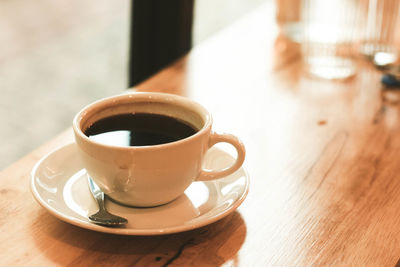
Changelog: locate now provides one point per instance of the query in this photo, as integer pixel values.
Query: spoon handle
(97, 193)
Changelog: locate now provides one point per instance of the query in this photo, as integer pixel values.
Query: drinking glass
(380, 21)
(329, 35)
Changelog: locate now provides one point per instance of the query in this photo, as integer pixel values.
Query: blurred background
(57, 56)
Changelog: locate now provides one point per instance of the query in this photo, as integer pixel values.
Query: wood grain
(323, 158)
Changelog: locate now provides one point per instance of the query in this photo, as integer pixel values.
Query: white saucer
(59, 184)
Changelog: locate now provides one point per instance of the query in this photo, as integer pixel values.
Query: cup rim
(160, 97)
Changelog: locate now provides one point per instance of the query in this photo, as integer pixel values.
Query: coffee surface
(138, 129)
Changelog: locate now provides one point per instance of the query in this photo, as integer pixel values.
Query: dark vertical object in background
(161, 32)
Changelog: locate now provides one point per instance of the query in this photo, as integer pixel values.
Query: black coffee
(139, 129)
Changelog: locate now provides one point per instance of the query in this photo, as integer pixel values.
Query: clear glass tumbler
(329, 35)
(380, 23)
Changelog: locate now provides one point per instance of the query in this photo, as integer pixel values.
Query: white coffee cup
(150, 175)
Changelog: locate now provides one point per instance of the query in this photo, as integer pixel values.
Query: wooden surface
(323, 159)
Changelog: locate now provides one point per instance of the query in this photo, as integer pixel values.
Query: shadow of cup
(207, 245)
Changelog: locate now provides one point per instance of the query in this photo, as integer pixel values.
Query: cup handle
(206, 175)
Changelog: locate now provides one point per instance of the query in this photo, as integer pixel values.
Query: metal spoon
(103, 217)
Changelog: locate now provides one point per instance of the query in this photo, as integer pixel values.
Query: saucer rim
(132, 231)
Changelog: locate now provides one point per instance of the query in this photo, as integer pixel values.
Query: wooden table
(323, 158)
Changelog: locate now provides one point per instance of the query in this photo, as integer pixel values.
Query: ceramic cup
(151, 175)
